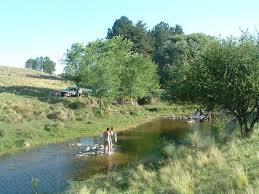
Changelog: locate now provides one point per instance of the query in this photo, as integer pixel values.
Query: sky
(33, 28)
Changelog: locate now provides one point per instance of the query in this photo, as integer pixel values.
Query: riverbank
(223, 165)
(85, 119)
(31, 116)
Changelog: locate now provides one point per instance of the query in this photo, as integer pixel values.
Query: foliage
(102, 65)
(29, 113)
(136, 33)
(178, 50)
(148, 42)
(163, 32)
(139, 77)
(72, 61)
(225, 74)
(113, 70)
(43, 64)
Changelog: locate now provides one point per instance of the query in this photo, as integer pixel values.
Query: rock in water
(27, 144)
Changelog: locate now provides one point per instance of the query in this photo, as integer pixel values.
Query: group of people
(109, 136)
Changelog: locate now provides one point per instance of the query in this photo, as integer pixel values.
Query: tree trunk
(100, 103)
(246, 130)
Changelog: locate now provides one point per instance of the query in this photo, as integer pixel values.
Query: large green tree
(48, 66)
(176, 51)
(113, 70)
(225, 74)
(163, 38)
(138, 77)
(72, 60)
(137, 33)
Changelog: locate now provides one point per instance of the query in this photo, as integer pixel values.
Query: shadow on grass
(47, 77)
(43, 94)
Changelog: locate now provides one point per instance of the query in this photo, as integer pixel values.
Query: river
(54, 165)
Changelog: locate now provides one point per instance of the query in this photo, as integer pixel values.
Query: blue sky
(31, 28)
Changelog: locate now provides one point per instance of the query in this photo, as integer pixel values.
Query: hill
(30, 115)
(25, 93)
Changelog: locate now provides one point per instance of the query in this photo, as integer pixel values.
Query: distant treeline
(43, 64)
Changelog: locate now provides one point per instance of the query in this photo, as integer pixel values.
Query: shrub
(39, 114)
(2, 133)
(25, 133)
(20, 142)
(152, 109)
(62, 115)
(76, 105)
(99, 113)
(145, 100)
(24, 109)
(55, 129)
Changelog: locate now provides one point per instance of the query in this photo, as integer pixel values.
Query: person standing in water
(107, 140)
(113, 137)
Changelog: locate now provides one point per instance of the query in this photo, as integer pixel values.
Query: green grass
(212, 167)
(29, 114)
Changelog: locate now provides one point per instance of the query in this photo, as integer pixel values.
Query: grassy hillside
(29, 114)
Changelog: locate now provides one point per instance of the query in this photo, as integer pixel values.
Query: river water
(55, 165)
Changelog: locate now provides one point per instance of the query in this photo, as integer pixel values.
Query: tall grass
(214, 168)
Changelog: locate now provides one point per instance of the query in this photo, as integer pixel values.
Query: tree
(31, 64)
(178, 50)
(138, 34)
(138, 77)
(122, 27)
(43, 64)
(164, 39)
(102, 65)
(48, 66)
(226, 74)
(72, 60)
(113, 70)
(163, 32)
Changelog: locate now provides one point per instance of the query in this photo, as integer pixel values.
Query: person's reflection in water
(96, 140)
(108, 166)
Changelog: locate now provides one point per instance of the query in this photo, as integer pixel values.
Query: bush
(62, 115)
(99, 113)
(39, 114)
(152, 109)
(145, 100)
(76, 105)
(23, 109)
(2, 133)
(21, 142)
(25, 133)
(55, 129)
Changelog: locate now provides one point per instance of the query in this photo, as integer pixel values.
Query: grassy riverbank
(30, 115)
(225, 165)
